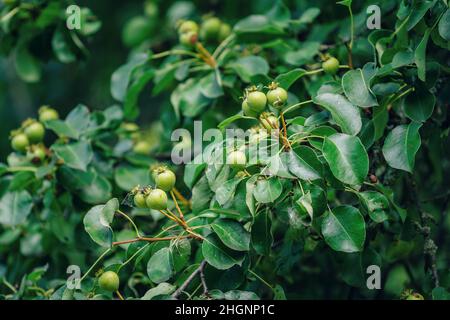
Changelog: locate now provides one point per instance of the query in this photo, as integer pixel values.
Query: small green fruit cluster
(255, 101)
(31, 134)
(37, 153)
(188, 33)
(156, 199)
(269, 121)
(214, 30)
(129, 130)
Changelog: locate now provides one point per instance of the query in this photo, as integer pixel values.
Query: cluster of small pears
(156, 198)
(28, 139)
(212, 29)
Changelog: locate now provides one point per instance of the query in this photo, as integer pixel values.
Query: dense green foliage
(341, 163)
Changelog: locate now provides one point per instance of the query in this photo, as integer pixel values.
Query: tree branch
(150, 239)
(429, 248)
(188, 281)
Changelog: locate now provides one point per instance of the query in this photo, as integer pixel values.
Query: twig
(188, 281)
(180, 197)
(9, 285)
(171, 217)
(206, 56)
(177, 206)
(150, 239)
(429, 248)
(173, 52)
(131, 221)
(94, 264)
(119, 295)
(202, 278)
(286, 142)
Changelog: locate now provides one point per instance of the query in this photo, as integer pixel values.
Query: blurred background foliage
(124, 24)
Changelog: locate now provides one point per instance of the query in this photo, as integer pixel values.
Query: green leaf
(61, 47)
(257, 24)
(247, 67)
(267, 190)
(346, 115)
(75, 124)
(232, 234)
(79, 119)
(271, 23)
(130, 107)
(192, 172)
(304, 209)
(344, 229)
(308, 16)
(225, 192)
(304, 55)
(440, 293)
(357, 89)
(303, 163)
(225, 123)
(419, 10)
(127, 177)
(210, 86)
(188, 98)
(98, 191)
(262, 237)
(279, 14)
(163, 288)
(15, 207)
(62, 129)
(420, 55)
(347, 3)
(347, 158)
(419, 104)
(27, 66)
(160, 266)
(76, 155)
(250, 186)
(121, 78)
(181, 251)
(89, 22)
(219, 256)
(376, 204)
(444, 25)
(286, 80)
(389, 194)
(401, 146)
(278, 293)
(201, 195)
(97, 222)
(380, 120)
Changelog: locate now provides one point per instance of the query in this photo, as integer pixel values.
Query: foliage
(343, 172)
